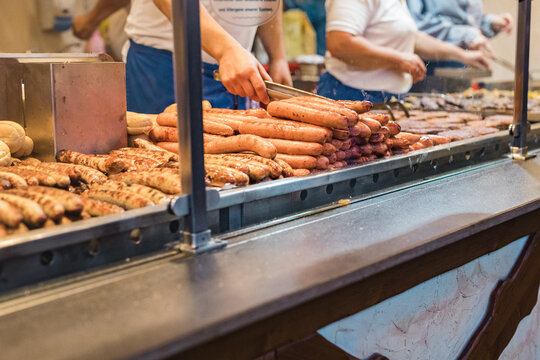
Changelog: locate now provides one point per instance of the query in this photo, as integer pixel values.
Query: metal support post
(188, 87)
(520, 127)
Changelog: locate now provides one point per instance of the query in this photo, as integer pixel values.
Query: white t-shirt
(146, 25)
(385, 23)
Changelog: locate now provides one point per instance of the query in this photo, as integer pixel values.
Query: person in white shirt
(148, 55)
(375, 50)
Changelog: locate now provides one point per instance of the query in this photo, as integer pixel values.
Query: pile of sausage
(308, 133)
(36, 195)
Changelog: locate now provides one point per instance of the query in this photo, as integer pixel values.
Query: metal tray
(48, 253)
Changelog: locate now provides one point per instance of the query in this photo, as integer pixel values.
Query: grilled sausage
(164, 133)
(288, 171)
(9, 214)
(376, 138)
(360, 129)
(326, 105)
(366, 149)
(258, 112)
(256, 171)
(164, 182)
(216, 128)
(341, 134)
(301, 172)
(439, 140)
(276, 170)
(72, 203)
(109, 164)
(337, 143)
(356, 152)
(221, 175)
(332, 158)
(381, 118)
(69, 170)
(328, 149)
(52, 207)
(169, 146)
(100, 208)
(136, 163)
(346, 144)
(28, 178)
(308, 115)
(379, 149)
(322, 162)
(241, 143)
(32, 213)
(297, 147)
(161, 156)
(124, 199)
(231, 120)
(15, 180)
(360, 107)
(147, 192)
(394, 143)
(286, 130)
(62, 180)
(411, 138)
(299, 161)
(145, 144)
(42, 177)
(393, 127)
(374, 125)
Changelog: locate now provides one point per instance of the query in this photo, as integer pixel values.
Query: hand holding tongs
(277, 91)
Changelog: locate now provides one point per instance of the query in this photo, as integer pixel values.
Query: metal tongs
(277, 91)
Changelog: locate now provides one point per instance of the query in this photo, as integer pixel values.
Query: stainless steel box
(76, 102)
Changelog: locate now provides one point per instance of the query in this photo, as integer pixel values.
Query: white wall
(505, 45)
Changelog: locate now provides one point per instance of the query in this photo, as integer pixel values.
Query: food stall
(240, 271)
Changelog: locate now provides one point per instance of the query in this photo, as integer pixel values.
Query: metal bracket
(521, 154)
(179, 206)
(200, 243)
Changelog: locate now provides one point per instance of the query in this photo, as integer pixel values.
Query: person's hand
(475, 58)
(414, 65)
(83, 27)
(279, 71)
(243, 75)
(481, 43)
(502, 23)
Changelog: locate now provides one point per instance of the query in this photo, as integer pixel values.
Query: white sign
(245, 12)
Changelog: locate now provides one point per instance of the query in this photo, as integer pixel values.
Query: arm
(361, 53)
(84, 25)
(271, 35)
(440, 26)
(240, 72)
(430, 48)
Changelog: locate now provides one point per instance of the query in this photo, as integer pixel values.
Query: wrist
(460, 56)
(222, 48)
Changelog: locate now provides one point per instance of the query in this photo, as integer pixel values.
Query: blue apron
(150, 82)
(332, 88)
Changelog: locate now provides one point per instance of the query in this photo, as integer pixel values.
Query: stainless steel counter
(169, 304)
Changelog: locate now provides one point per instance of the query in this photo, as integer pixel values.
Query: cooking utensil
(277, 91)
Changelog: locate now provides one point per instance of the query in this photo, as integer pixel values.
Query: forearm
(271, 35)
(430, 48)
(165, 6)
(361, 53)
